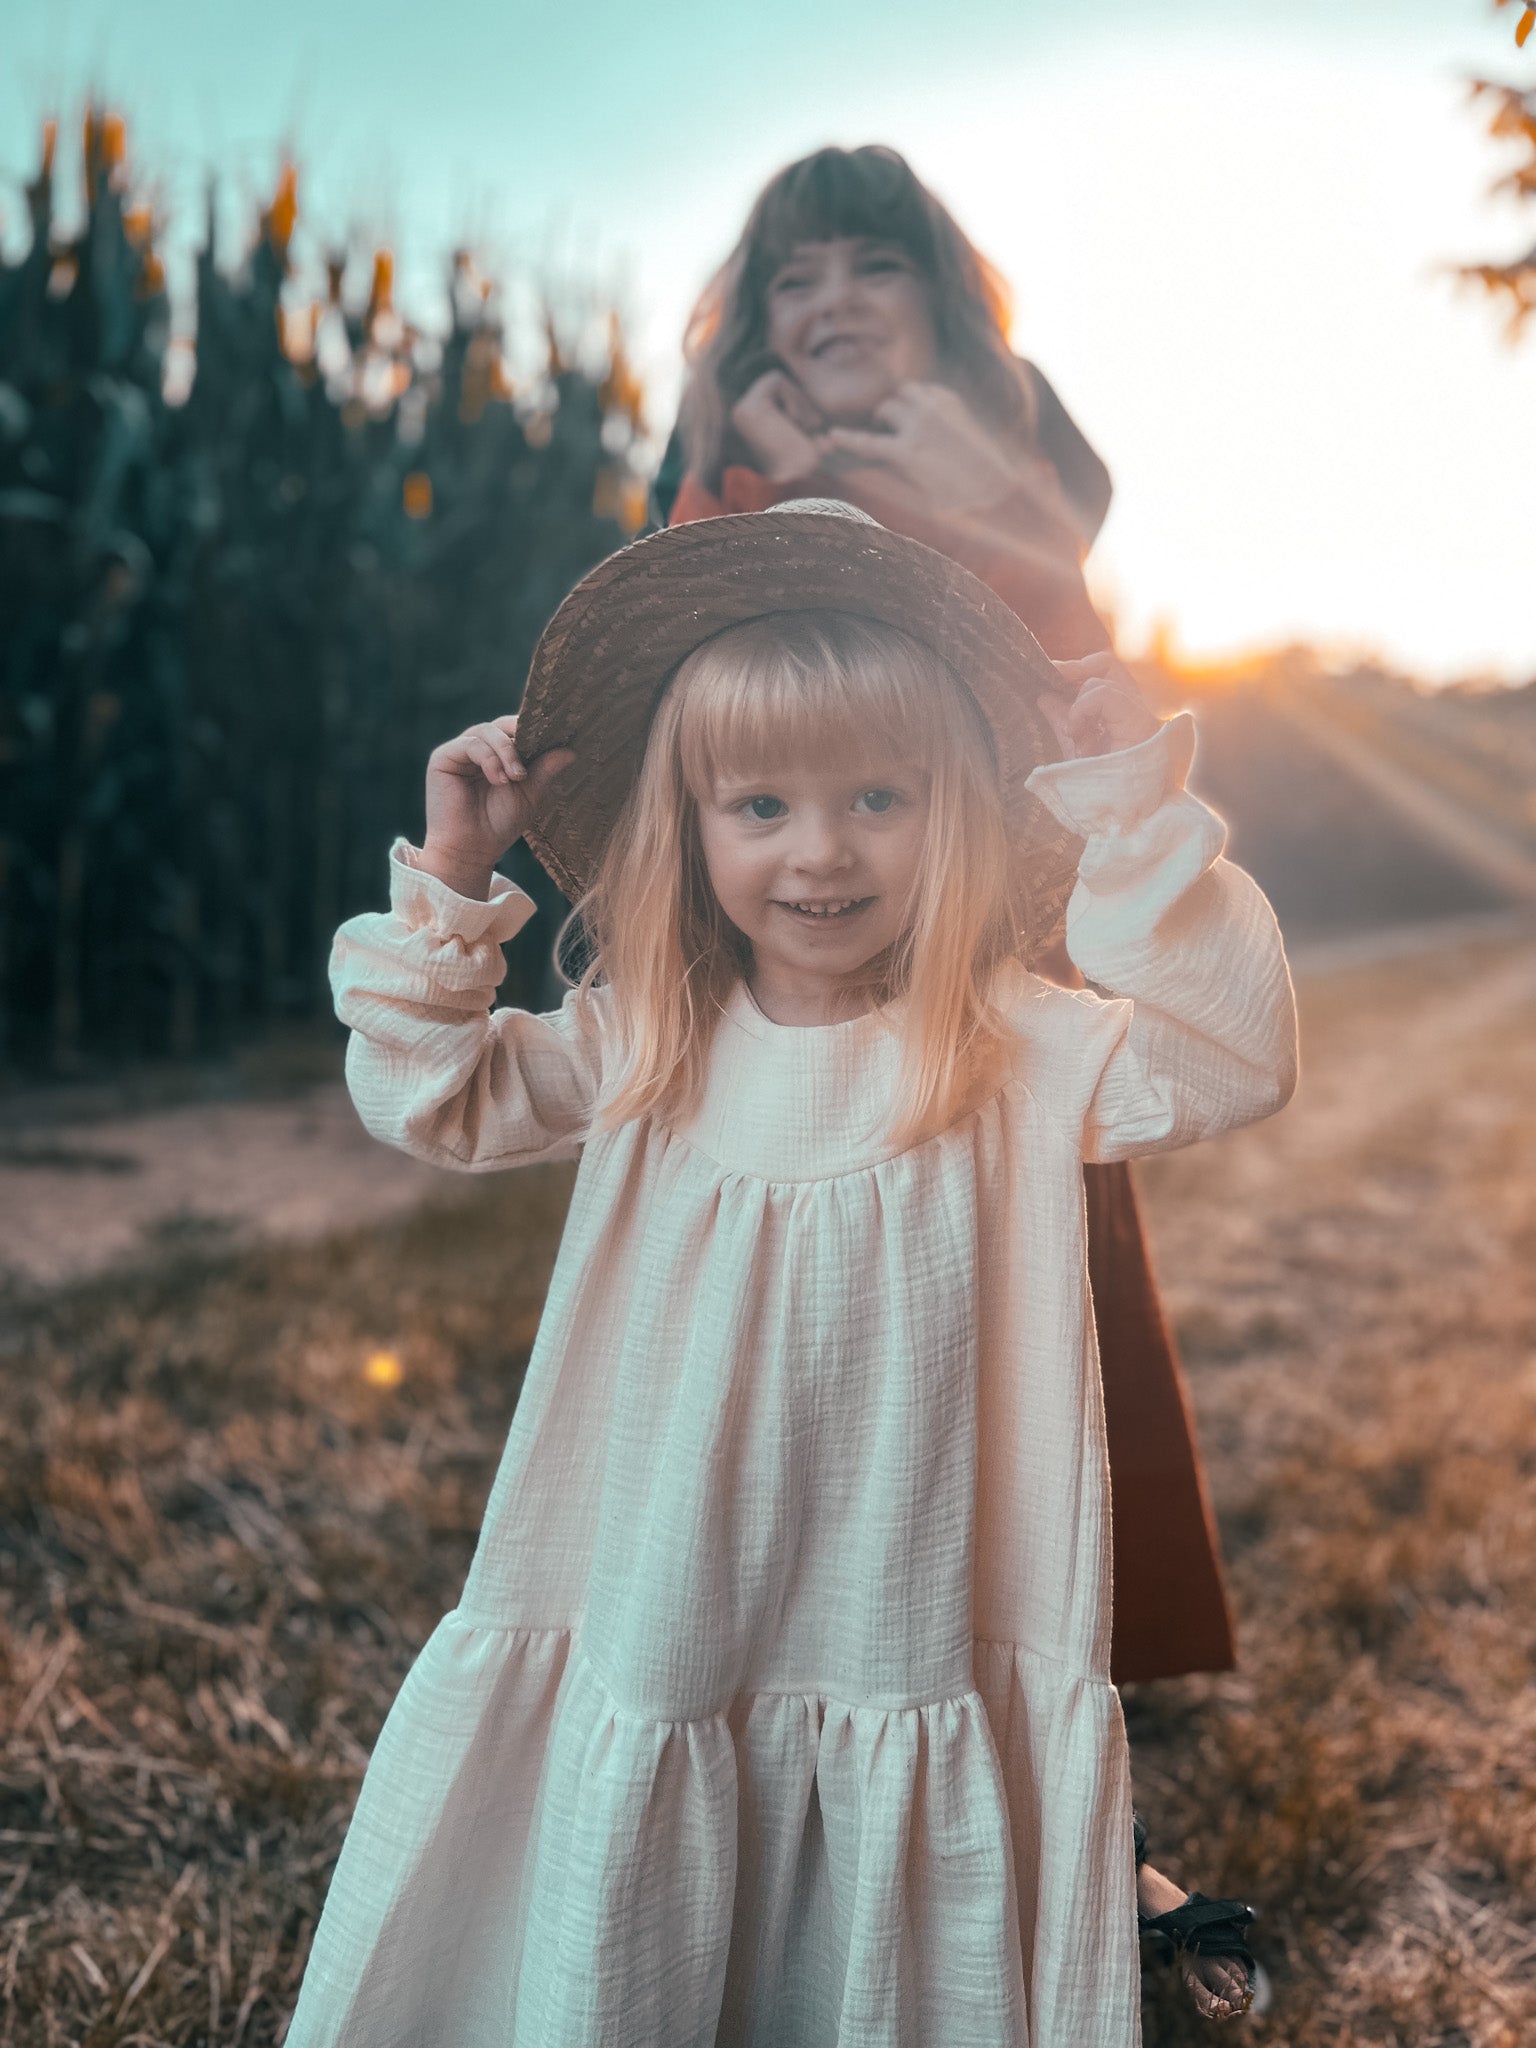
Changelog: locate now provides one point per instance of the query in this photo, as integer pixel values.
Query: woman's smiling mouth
(845, 345)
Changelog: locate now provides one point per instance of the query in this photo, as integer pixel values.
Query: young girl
(855, 341)
(776, 1710)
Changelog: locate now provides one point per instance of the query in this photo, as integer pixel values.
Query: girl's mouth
(828, 912)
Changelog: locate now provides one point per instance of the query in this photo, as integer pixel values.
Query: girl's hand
(932, 442)
(781, 428)
(481, 796)
(1104, 710)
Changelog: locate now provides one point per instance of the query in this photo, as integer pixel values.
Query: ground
(239, 1481)
(1354, 1287)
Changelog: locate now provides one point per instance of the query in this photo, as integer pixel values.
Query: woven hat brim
(605, 658)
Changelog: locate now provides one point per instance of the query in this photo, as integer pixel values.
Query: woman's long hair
(871, 193)
(812, 685)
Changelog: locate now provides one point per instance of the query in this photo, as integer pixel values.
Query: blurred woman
(855, 337)
(854, 344)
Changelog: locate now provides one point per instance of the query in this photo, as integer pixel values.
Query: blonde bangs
(785, 688)
(802, 686)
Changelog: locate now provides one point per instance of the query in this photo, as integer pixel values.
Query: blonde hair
(786, 687)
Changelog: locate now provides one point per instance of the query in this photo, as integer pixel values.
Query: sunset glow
(1229, 239)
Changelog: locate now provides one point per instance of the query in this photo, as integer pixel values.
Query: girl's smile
(815, 867)
(825, 910)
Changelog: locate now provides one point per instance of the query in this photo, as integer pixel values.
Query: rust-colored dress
(1170, 1605)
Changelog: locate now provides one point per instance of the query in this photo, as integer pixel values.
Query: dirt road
(78, 1198)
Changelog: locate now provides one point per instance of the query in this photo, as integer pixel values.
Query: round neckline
(744, 1004)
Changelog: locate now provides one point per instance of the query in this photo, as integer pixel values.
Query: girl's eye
(765, 807)
(878, 800)
(793, 281)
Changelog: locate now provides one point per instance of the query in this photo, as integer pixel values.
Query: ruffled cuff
(423, 903)
(1107, 793)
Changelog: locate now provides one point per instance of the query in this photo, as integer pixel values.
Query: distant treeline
(233, 622)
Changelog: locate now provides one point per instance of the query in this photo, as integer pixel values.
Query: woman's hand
(930, 440)
(1103, 711)
(781, 428)
(481, 796)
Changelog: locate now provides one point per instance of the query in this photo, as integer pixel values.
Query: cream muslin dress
(775, 1712)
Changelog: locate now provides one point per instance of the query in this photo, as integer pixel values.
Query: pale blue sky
(1221, 217)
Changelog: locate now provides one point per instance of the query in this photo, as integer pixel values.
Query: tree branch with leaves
(1512, 117)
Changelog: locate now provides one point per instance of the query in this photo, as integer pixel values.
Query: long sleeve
(1200, 1033)
(432, 1068)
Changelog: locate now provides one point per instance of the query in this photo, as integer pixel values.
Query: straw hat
(608, 653)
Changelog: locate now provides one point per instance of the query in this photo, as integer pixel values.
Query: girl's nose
(820, 848)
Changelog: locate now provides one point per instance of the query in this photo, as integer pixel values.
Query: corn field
(236, 615)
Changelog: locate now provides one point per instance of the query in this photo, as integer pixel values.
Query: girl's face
(815, 864)
(850, 320)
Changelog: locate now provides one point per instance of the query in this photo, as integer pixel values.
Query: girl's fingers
(1106, 716)
(540, 772)
(505, 752)
(1077, 722)
(486, 759)
(545, 769)
(1089, 706)
(488, 750)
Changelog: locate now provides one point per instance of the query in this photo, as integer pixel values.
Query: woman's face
(849, 320)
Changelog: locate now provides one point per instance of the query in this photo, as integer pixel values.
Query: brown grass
(220, 1546)
(1355, 1286)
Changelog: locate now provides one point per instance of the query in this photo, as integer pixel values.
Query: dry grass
(220, 1546)
(1355, 1286)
